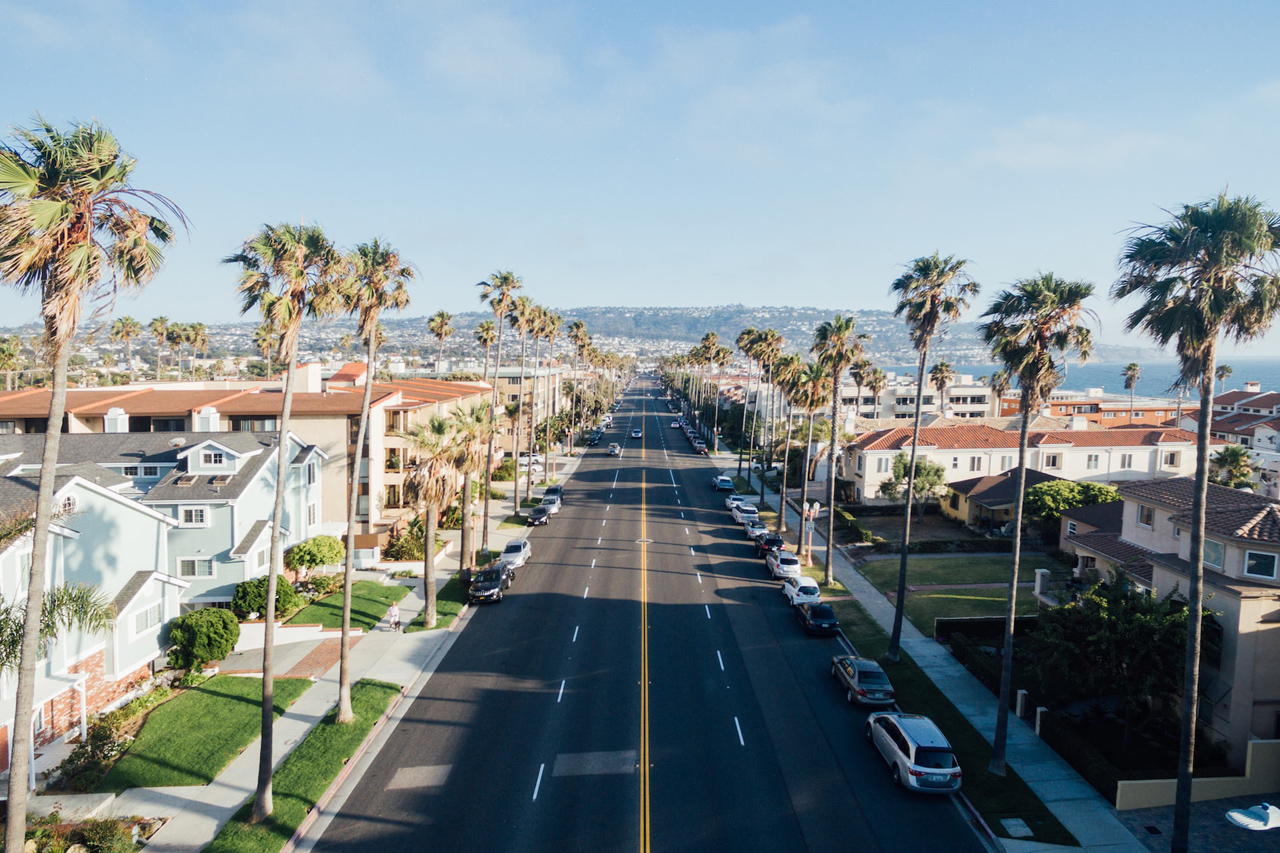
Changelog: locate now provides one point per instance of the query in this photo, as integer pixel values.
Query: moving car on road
(783, 564)
(917, 752)
(675, 425)
(488, 584)
(864, 681)
(615, 449)
(818, 619)
(801, 590)
(636, 433)
(517, 553)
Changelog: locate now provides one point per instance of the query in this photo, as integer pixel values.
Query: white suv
(917, 752)
(743, 511)
(783, 564)
(801, 590)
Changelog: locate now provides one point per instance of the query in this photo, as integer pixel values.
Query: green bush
(251, 597)
(403, 547)
(506, 472)
(106, 836)
(88, 762)
(326, 584)
(201, 636)
(983, 666)
(314, 552)
(192, 679)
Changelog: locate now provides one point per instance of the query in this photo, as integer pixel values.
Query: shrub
(505, 472)
(201, 636)
(192, 679)
(251, 597)
(326, 584)
(133, 708)
(106, 836)
(1063, 739)
(314, 552)
(985, 667)
(86, 766)
(403, 547)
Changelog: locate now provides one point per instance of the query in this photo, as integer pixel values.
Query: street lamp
(810, 512)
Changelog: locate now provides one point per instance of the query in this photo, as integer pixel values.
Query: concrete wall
(1262, 776)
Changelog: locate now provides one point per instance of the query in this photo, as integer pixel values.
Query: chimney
(208, 420)
(1253, 387)
(116, 420)
(1077, 423)
(308, 378)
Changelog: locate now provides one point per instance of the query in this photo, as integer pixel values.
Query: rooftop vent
(177, 442)
(222, 479)
(186, 480)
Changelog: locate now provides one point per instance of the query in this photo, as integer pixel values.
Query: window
(1006, 462)
(858, 463)
(262, 558)
(147, 619)
(8, 427)
(1052, 460)
(1091, 462)
(312, 515)
(975, 463)
(1171, 459)
(393, 495)
(168, 424)
(884, 465)
(260, 425)
(214, 458)
(1177, 532)
(1126, 461)
(195, 567)
(150, 471)
(1108, 414)
(1213, 553)
(68, 505)
(955, 500)
(1071, 528)
(131, 470)
(37, 719)
(955, 461)
(1146, 516)
(195, 516)
(1260, 565)
(311, 473)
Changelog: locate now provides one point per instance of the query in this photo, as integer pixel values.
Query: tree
(941, 375)
(1047, 501)
(1132, 373)
(876, 383)
(126, 329)
(523, 318)
(472, 427)
(315, 552)
(745, 342)
(929, 478)
(1222, 373)
(1232, 467)
(201, 636)
(933, 292)
(10, 358)
(158, 328)
(499, 292)
(1209, 272)
(837, 347)
(430, 486)
(785, 371)
(72, 229)
(439, 327)
(1026, 327)
(287, 272)
(999, 386)
(377, 280)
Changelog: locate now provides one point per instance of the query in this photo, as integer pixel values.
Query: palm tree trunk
(751, 437)
(1000, 739)
(345, 714)
(519, 425)
(262, 802)
(1131, 390)
(895, 638)
(533, 413)
(782, 498)
(464, 534)
(24, 698)
(128, 355)
(831, 476)
(429, 565)
(1195, 615)
(493, 431)
(439, 358)
(804, 487)
(742, 436)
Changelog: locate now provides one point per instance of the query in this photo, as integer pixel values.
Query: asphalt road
(556, 722)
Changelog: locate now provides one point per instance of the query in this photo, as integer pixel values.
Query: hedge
(1087, 760)
(985, 667)
(201, 636)
(951, 546)
(981, 626)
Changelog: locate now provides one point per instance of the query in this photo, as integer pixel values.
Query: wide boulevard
(643, 686)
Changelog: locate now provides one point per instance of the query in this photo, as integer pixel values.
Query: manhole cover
(644, 541)
(1016, 827)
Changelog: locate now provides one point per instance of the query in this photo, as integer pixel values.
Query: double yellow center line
(644, 673)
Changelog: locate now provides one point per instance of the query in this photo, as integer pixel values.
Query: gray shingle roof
(1134, 560)
(125, 448)
(252, 536)
(1106, 517)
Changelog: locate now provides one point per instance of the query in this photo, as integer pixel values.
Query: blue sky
(663, 153)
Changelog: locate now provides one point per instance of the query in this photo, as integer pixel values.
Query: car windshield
(513, 548)
(488, 576)
(789, 560)
(809, 587)
(935, 759)
(823, 611)
(872, 677)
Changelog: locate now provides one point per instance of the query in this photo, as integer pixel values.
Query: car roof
(922, 730)
(806, 581)
(866, 664)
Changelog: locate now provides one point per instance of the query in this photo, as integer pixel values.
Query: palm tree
(538, 331)
(72, 229)
(1222, 373)
(431, 485)
(551, 324)
(471, 429)
(860, 371)
(10, 358)
(785, 371)
(876, 383)
(1132, 373)
(745, 343)
(813, 392)
(439, 326)
(1232, 467)
(522, 319)
(1208, 272)
(158, 328)
(1038, 318)
(266, 340)
(941, 375)
(933, 292)
(499, 292)
(837, 347)
(376, 280)
(486, 336)
(999, 383)
(287, 272)
(766, 349)
(126, 329)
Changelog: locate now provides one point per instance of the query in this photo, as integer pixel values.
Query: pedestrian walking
(393, 614)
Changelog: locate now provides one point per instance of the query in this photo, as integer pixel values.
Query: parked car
(615, 449)
(517, 552)
(700, 446)
(593, 439)
(722, 484)
(489, 584)
(551, 502)
(864, 681)
(818, 619)
(801, 590)
(743, 511)
(733, 500)
(526, 465)
(675, 425)
(760, 466)
(540, 514)
(917, 752)
(636, 433)
(754, 527)
(769, 542)
(556, 491)
(783, 564)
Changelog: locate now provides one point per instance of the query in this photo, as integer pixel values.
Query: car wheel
(896, 775)
(834, 673)
(868, 732)
(849, 695)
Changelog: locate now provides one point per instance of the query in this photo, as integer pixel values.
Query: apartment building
(1097, 406)
(1240, 681)
(963, 398)
(1080, 452)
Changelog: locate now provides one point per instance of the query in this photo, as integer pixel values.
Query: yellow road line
(644, 674)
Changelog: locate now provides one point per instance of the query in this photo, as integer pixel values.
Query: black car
(554, 492)
(769, 542)
(817, 618)
(540, 514)
(488, 584)
(593, 439)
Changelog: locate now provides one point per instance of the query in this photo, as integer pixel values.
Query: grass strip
(995, 797)
(743, 486)
(922, 571)
(449, 603)
(924, 607)
(306, 774)
(514, 521)
(369, 603)
(191, 738)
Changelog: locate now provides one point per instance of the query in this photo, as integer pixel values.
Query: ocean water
(1157, 376)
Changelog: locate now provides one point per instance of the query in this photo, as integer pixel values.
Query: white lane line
(560, 695)
(593, 562)
(678, 501)
(598, 538)
(575, 634)
(673, 476)
(708, 607)
(664, 453)
(738, 726)
(615, 478)
(699, 574)
(585, 591)
(692, 552)
(609, 507)
(686, 531)
(603, 522)
(682, 515)
(538, 784)
(721, 659)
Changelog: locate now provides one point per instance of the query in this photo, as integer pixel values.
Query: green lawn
(369, 603)
(484, 558)
(995, 797)
(191, 738)
(306, 774)
(449, 603)
(960, 569)
(924, 607)
(743, 487)
(513, 521)
(818, 571)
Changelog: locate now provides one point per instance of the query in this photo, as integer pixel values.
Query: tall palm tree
(813, 392)
(430, 486)
(837, 347)
(538, 331)
(785, 371)
(439, 327)
(287, 272)
(876, 383)
(126, 329)
(10, 358)
(72, 229)
(933, 292)
(499, 292)
(765, 349)
(523, 317)
(486, 336)
(266, 340)
(158, 328)
(723, 358)
(376, 280)
(941, 375)
(745, 343)
(1222, 373)
(999, 384)
(471, 430)
(1027, 326)
(1132, 373)
(551, 324)
(1208, 272)
(860, 372)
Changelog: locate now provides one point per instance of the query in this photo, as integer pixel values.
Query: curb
(974, 816)
(324, 799)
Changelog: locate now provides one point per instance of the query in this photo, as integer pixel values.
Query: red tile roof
(985, 437)
(352, 371)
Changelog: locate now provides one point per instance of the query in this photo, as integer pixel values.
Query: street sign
(808, 527)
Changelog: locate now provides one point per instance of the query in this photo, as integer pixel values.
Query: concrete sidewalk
(1073, 801)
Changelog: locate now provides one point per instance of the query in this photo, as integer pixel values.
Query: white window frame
(68, 505)
(1152, 514)
(183, 509)
(261, 557)
(311, 473)
(1071, 528)
(1126, 461)
(1222, 558)
(151, 470)
(130, 471)
(1093, 461)
(213, 458)
(1053, 461)
(157, 610)
(1275, 564)
(955, 463)
(37, 719)
(1170, 459)
(1006, 462)
(884, 465)
(313, 514)
(197, 560)
(1177, 532)
(975, 463)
